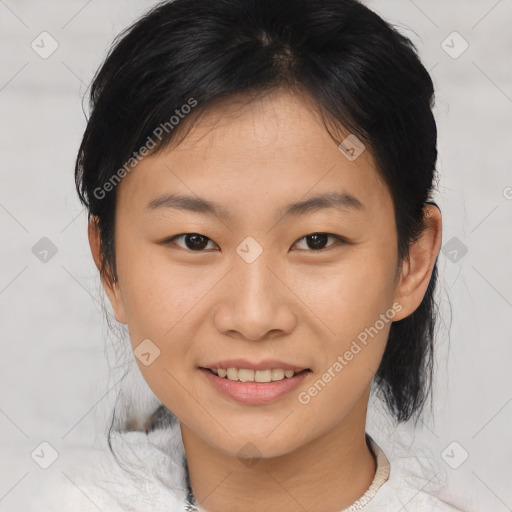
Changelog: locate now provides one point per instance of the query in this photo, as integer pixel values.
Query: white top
(153, 479)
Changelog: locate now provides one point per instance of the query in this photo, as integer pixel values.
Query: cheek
(351, 295)
(355, 303)
(155, 293)
(161, 302)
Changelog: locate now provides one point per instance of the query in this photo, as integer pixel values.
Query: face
(308, 288)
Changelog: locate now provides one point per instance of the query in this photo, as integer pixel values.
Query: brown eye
(318, 241)
(193, 241)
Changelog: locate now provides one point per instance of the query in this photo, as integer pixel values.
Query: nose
(256, 302)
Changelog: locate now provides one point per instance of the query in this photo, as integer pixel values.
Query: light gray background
(54, 374)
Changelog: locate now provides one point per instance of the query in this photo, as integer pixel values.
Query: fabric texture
(150, 476)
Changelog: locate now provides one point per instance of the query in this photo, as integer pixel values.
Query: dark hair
(360, 73)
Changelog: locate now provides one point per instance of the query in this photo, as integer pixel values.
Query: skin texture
(293, 303)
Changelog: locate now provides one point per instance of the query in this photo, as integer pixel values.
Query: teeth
(245, 375)
(232, 374)
(278, 374)
(248, 375)
(263, 376)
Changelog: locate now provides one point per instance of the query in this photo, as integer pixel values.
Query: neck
(335, 469)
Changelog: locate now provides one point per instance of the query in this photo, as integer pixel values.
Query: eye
(193, 241)
(197, 242)
(317, 241)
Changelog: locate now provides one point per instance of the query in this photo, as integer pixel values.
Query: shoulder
(146, 474)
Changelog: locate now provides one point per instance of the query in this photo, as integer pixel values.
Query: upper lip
(261, 365)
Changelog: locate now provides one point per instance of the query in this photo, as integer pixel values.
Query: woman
(259, 179)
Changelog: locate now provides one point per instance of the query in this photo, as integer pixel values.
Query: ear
(417, 268)
(111, 288)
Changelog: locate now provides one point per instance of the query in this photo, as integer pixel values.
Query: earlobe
(417, 268)
(111, 287)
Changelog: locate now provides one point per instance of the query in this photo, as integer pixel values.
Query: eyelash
(340, 241)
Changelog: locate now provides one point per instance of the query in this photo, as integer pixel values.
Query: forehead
(274, 148)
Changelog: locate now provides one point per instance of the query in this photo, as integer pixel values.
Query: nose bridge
(253, 277)
(255, 303)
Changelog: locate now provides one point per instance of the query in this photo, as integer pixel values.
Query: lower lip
(254, 392)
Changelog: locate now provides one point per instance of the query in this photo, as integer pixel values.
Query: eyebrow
(342, 201)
